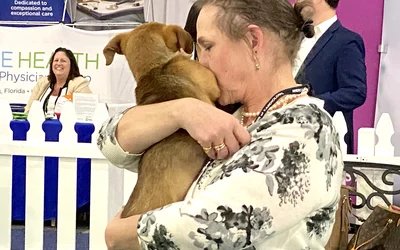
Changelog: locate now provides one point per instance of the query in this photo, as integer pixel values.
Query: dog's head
(148, 45)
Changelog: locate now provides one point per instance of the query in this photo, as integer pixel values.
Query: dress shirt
(308, 43)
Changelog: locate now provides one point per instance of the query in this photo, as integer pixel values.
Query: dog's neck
(145, 66)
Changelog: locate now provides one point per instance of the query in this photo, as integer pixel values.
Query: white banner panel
(167, 11)
(25, 54)
(389, 81)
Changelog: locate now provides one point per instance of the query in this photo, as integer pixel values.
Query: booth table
(52, 129)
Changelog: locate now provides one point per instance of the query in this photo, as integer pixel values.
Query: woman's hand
(219, 133)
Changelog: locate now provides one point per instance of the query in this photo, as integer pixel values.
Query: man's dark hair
(332, 3)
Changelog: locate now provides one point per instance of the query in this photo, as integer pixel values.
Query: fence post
(341, 127)
(67, 182)
(68, 120)
(100, 115)
(106, 188)
(384, 131)
(104, 202)
(34, 201)
(384, 148)
(366, 142)
(366, 147)
(5, 118)
(5, 177)
(36, 119)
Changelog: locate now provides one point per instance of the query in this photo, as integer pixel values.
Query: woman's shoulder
(306, 110)
(78, 80)
(309, 101)
(306, 106)
(42, 84)
(43, 80)
(311, 107)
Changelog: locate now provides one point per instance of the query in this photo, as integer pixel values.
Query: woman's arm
(35, 93)
(82, 85)
(143, 126)
(122, 234)
(124, 136)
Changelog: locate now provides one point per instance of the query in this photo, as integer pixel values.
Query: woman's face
(230, 61)
(61, 65)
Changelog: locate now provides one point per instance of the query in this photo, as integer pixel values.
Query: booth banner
(32, 10)
(106, 11)
(133, 11)
(167, 11)
(25, 56)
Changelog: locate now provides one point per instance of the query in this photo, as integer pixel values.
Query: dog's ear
(177, 38)
(113, 46)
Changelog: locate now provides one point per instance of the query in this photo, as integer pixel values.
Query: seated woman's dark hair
(73, 72)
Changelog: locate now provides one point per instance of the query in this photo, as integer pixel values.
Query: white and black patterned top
(280, 191)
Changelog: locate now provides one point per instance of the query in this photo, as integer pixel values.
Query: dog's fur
(168, 168)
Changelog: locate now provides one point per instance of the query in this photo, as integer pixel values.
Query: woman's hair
(73, 72)
(191, 21)
(289, 23)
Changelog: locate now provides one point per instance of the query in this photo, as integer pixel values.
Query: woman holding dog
(64, 79)
(274, 181)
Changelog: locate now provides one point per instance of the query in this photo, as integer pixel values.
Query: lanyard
(274, 99)
(63, 91)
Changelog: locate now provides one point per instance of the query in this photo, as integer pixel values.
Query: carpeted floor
(50, 238)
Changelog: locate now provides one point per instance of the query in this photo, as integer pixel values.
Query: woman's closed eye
(207, 47)
(204, 44)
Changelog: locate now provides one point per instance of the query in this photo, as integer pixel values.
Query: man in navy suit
(333, 63)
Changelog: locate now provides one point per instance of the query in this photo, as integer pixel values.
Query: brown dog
(168, 168)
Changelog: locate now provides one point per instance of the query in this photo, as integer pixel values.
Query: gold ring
(207, 149)
(219, 147)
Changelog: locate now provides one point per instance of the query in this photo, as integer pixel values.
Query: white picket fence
(374, 146)
(106, 188)
(110, 187)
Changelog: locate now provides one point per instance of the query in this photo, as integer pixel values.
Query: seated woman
(64, 79)
(276, 169)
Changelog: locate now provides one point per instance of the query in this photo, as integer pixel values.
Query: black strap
(274, 99)
(48, 96)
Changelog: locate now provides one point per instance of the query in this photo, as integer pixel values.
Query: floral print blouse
(280, 191)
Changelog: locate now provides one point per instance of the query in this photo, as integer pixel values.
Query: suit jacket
(77, 85)
(335, 69)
